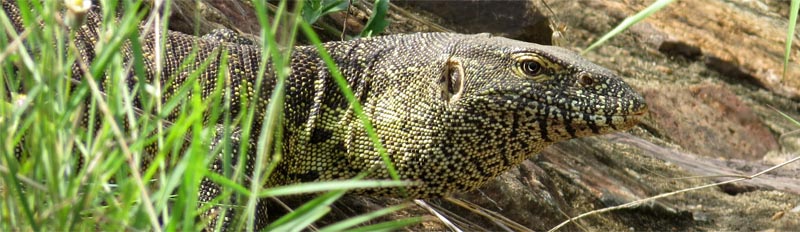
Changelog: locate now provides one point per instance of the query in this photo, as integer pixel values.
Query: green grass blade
(377, 22)
(351, 222)
(314, 9)
(302, 188)
(225, 182)
(629, 21)
(306, 214)
(788, 117)
(795, 6)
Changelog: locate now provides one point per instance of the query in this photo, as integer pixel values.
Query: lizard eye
(531, 67)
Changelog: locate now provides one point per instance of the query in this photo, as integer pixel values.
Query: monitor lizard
(452, 110)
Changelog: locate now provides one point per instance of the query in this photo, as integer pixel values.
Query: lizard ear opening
(451, 83)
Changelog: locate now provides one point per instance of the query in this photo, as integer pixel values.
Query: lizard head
(544, 93)
(462, 109)
(503, 101)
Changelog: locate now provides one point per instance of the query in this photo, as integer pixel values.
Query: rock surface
(712, 74)
(519, 20)
(713, 121)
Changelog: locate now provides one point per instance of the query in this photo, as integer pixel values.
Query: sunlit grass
(74, 175)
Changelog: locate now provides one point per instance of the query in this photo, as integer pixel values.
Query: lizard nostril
(584, 79)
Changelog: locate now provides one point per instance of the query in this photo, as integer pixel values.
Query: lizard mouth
(641, 111)
(569, 116)
(596, 106)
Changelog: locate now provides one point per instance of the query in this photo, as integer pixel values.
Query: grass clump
(58, 172)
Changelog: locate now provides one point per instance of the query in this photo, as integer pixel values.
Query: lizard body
(452, 110)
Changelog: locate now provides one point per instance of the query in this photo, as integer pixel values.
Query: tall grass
(59, 173)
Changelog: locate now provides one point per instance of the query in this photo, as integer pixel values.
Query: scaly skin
(453, 111)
